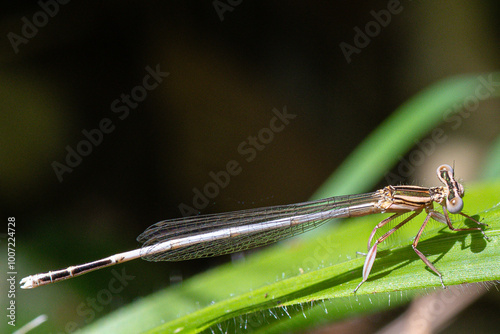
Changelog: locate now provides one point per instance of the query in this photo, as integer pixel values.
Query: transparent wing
(305, 216)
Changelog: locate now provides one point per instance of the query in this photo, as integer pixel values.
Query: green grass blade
(492, 166)
(398, 133)
(257, 286)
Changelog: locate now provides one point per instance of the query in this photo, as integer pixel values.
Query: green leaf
(397, 134)
(491, 168)
(258, 291)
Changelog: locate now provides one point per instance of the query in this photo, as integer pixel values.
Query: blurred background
(232, 68)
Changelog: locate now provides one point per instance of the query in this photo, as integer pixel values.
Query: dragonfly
(218, 234)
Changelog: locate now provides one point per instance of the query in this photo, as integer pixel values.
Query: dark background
(226, 77)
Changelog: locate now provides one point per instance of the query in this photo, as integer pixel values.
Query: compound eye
(444, 172)
(455, 205)
(446, 168)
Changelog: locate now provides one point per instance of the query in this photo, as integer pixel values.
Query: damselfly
(218, 234)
